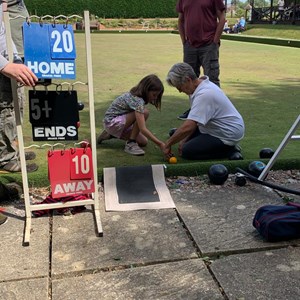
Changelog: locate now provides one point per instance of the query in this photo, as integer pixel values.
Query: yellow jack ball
(173, 160)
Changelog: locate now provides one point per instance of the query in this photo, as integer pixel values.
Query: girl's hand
(167, 153)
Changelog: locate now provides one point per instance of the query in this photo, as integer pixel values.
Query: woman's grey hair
(179, 74)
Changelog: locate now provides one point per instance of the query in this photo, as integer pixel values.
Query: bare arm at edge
(220, 27)
(181, 27)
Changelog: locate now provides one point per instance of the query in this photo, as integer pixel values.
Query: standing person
(280, 9)
(200, 25)
(213, 127)
(126, 117)
(9, 154)
(18, 14)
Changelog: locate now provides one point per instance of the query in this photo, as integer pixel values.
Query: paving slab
(129, 238)
(188, 279)
(17, 261)
(33, 289)
(220, 218)
(273, 274)
(150, 254)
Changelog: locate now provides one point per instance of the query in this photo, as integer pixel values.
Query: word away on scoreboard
(49, 50)
(54, 115)
(71, 172)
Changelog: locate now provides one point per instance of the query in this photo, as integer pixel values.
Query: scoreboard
(49, 50)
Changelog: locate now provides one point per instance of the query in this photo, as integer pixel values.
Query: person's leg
(190, 56)
(18, 14)
(131, 130)
(8, 130)
(210, 62)
(103, 136)
(8, 150)
(204, 146)
(119, 127)
(135, 139)
(124, 127)
(140, 138)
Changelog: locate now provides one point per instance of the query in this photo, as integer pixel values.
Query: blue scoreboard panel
(49, 50)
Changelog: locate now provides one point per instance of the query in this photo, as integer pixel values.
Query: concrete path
(205, 249)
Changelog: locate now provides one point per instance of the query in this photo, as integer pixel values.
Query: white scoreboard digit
(62, 44)
(49, 50)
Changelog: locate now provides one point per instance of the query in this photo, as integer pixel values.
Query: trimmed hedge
(261, 40)
(105, 8)
(196, 168)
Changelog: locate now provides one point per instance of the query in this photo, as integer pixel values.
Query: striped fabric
(50, 199)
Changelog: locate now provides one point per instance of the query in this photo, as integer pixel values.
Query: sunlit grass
(261, 80)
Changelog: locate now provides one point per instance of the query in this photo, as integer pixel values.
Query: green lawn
(261, 80)
(274, 31)
(269, 30)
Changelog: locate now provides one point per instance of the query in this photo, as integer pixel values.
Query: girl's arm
(140, 120)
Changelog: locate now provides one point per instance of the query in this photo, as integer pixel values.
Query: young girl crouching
(126, 116)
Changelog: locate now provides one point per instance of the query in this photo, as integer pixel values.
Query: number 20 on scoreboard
(61, 43)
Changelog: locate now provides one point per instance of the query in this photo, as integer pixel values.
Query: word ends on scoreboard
(54, 115)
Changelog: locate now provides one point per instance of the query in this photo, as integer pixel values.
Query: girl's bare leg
(135, 132)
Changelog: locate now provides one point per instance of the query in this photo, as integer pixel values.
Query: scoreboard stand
(94, 200)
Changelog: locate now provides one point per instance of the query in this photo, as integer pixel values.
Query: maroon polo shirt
(200, 19)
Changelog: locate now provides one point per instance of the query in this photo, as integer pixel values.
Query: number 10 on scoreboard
(81, 164)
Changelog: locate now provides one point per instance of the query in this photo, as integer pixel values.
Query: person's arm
(19, 72)
(3, 62)
(4, 5)
(219, 30)
(185, 130)
(140, 119)
(181, 27)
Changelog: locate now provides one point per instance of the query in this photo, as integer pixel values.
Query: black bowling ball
(256, 167)
(266, 153)
(218, 174)
(80, 106)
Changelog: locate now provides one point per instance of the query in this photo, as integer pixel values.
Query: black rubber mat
(135, 185)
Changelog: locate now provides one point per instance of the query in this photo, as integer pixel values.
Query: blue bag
(278, 223)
